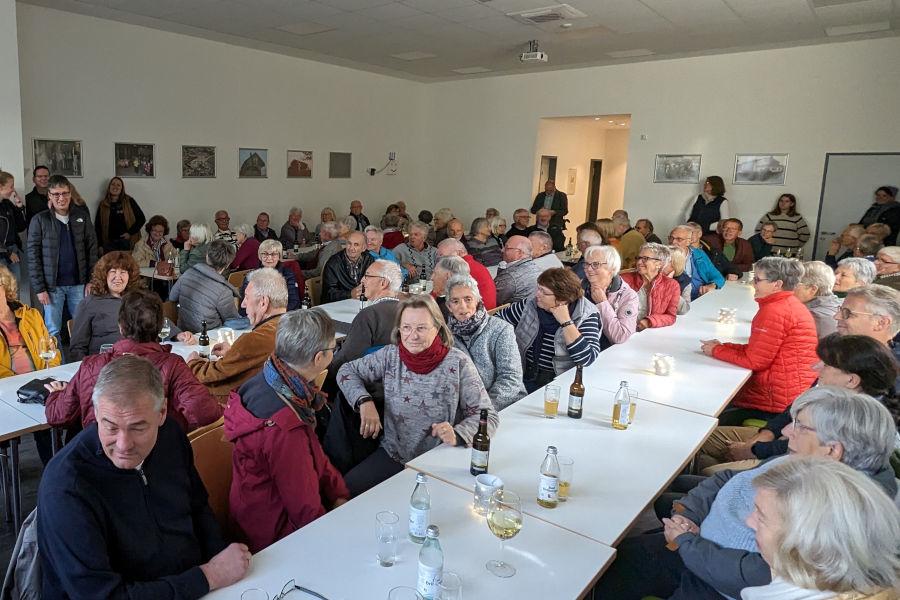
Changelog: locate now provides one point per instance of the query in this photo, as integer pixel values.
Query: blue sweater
(703, 272)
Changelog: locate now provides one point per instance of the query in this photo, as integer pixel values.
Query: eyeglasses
(679, 239)
(884, 262)
(800, 427)
(846, 313)
(271, 254)
(420, 330)
(593, 265)
(375, 276)
(58, 195)
(329, 349)
(646, 258)
(291, 585)
(758, 279)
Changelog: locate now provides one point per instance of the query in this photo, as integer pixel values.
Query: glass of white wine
(504, 519)
(47, 350)
(165, 331)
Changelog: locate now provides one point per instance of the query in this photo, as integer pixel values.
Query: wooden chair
(494, 311)
(201, 430)
(212, 458)
(170, 311)
(237, 278)
(314, 286)
(320, 378)
(69, 324)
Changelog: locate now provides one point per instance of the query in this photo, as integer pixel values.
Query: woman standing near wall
(119, 219)
(791, 230)
(710, 207)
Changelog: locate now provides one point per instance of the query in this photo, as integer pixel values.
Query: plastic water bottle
(431, 565)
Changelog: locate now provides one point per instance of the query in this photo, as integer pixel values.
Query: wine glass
(165, 330)
(47, 349)
(504, 519)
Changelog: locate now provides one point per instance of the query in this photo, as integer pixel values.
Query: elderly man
(517, 279)
(704, 276)
(553, 200)
(415, 255)
(294, 232)
(331, 244)
(356, 211)
(262, 231)
(717, 552)
(478, 271)
(645, 228)
(203, 293)
(222, 230)
(265, 300)
(445, 268)
(630, 240)
(874, 311)
(456, 231)
(544, 223)
(122, 511)
(344, 271)
(587, 236)
(542, 252)
(729, 242)
(520, 220)
(846, 242)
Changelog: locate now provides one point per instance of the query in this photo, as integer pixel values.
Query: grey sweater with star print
(451, 392)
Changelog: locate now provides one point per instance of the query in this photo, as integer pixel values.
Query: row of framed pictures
(749, 169)
(64, 157)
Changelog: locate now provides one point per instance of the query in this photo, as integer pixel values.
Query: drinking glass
(663, 364)
(386, 535)
(485, 486)
(106, 348)
(47, 349)
(450, 586)
(404, 593)
(566, 469)
(551, 401)
(165, 331)
(504, 520)
(226, 335)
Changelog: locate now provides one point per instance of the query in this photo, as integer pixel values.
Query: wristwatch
(566, 324)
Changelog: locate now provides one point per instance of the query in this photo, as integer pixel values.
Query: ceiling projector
(533, 54)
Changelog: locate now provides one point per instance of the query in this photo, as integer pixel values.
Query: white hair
(463, 281)
(453, 244)
(200, 232)
(391, 272)
(269, 283)
(420, 226)
(659, 251)
(892, 252)
(453, 265)
(245, 229)
(863, 269)
(608, 254)
(295, 210)
(817, 273)
(880, 300)
(590, 236)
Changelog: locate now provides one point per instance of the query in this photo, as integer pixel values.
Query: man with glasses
(62, 251)
(521, 218)
(704, 276)
(36, 200)
(874, 311)
(222, 229)
(730, 244)
(262, 231)
(517, 274)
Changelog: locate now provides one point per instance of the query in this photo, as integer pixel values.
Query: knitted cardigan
(493, 350)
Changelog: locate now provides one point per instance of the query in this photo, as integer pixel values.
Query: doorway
(548, 170)
(593, 203)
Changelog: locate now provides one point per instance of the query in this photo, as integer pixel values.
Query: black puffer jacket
(336, 279)
(12, 221)
(43, 247)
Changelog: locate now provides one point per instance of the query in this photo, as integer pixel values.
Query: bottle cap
(421, 478)
(551, 449)
(484, 413)
(432, 531)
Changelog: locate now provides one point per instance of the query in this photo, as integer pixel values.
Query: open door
(593, 203)
(548, 171)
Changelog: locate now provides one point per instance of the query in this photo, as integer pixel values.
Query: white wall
(805, 101)
(10, 102)
(104, 82)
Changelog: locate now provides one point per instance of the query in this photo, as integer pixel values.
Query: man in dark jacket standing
(62, 251)
(344, 271)
(36, 200)
(553, 200)
(122, 511)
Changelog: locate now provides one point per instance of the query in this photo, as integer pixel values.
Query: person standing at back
(710, 207)
(36, 200)
(553, 200)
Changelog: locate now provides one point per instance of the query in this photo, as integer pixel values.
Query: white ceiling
(433, 40)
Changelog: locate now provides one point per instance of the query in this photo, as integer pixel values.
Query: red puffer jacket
(189, 402)
(662, 304)
(781, 353)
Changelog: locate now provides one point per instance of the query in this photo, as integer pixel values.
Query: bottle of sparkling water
(548, 488)
(419, 510)
(623, 407)
(431, 565)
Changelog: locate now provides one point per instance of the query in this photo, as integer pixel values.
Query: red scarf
(426, 360)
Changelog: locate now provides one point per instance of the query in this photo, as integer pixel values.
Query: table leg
(56, 440)
(15, 485)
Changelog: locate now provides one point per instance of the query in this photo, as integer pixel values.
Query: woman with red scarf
(432, 394)
(282, 479)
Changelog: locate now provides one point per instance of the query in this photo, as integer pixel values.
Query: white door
(848, 190)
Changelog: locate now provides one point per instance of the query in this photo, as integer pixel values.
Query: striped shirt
(583, 351)
(790, 232)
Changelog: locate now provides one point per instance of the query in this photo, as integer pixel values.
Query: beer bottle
(481, 446)
(203, 341)
(576, 395)
(623, 409)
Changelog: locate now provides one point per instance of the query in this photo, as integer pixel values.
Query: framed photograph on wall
(677, 168)
(299, 164)
(62, 157)
(760, 169)
(198, 161)
(253, 162)
(135, 160)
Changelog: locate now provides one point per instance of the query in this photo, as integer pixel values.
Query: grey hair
(591, 236)
(458, 247)
(817, 273)
(444, 214)
(687, 228)
(881, 301)
(127, 378)
(839, 528)
(620, 219)
(331, 227)
(391, 272)
(269, 283)
(420, 226)
(302, 334)
(660, 251)
(295, 210)
(861, 424)
(478, 224)
(892, 252)
(862, 268)
(199, 232)
(373, 228)
(495, 223)
(544, 237)
(220, 254)
(463, 281)
(453, 265)
(245, 229)
(349, 221)
(610, 257)
(270, 246)
(788, 271)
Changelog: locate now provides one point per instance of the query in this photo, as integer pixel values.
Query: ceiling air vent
(548, 14)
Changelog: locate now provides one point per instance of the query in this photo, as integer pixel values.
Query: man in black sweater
(36, 200)
(122, 512)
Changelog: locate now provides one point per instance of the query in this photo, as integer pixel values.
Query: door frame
(592, 209)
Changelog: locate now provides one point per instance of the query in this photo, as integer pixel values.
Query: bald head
(451, 247)
(517, 247)
(356, 244)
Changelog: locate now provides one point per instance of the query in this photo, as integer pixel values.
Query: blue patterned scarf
(301, 395)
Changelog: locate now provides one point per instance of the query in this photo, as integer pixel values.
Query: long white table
(342, 311)
(335, 555)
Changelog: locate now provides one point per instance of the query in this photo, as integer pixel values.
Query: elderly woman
(182, 234)
(270, 256)
(327, 216)
(96, 320)
(247, 256)
(489, 341)
(847, 240)
(375, 244)
(815, 291)
(676, 270)
(762, 242)
(392, 234)
(826, 530)
(421, 364)
(22, 329)
(482, 245)
(498, 230)
(616, 302)
(556, 329)
(445, 268)
(887, 265)
(282, 479)
(852, 273)
(194, 251)
(140, 318)
(782, 346)
(155, 247)
(658, 295)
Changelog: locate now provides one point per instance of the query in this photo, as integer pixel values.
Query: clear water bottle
(419, 510)
(548, 487)
(431, 565)
(623, 407)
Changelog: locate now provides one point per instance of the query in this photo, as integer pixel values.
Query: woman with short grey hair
(616, 302)
(247, 249)
(887, 265)
(498, 229)
(658, 295)
(489, 341)
(852, 273)
(194, 251)
(282, 478)
(445, 268)
(815, 291)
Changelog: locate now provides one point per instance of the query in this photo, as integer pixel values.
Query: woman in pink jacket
(616, 302)
(658, 294)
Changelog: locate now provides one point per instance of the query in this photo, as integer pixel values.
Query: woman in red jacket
(140, 319)
(658, 295)
(782, 347)
(282, 479)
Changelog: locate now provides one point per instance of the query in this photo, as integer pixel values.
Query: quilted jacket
(781, 353)
(662, 303)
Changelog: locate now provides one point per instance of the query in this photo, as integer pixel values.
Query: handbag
(34, 391)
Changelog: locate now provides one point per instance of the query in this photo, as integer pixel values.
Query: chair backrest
(69, 324)
(314, 286)
(170, 311)
(212, 457)
(201, 430)
(237, 278)
(494, 311)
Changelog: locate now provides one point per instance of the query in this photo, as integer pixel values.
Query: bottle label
(575, 402)
(418, 521)
(429, 581)
(480, 459)
(549, 488)
(203, 351)
(625, 412)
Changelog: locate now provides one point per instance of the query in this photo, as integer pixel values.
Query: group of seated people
(414, 371)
